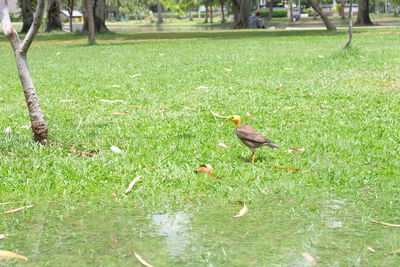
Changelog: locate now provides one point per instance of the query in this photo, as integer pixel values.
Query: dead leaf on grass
(248, 114)
(243, 211)
(385, 223)
(67, 100)
(309, 258)
(130, 186)
(24, 104)
(115, 149)
(111, 101)
(288, 108)
(288, 68)
(223, 145)
(3, 236)
(135, 75)
(11, 255)
(397, 251)
(58, 53)
(142, 261)
(286, 168)
(202, 87)
(161, 54)
(7, 130)
(138, 106)
(25, 127)
(11, 154)
(206, 168)
(120, 113)
(17, 209)
(371, 249)
(297, 149)
(165, 110)
(116, 86)
(226, 69)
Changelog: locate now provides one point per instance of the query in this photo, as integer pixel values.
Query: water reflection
(174, 227)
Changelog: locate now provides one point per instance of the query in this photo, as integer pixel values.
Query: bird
(250, 137)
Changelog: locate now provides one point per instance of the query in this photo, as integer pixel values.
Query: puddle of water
(274, 233)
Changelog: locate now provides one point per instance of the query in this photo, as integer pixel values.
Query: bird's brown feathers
(251, 138)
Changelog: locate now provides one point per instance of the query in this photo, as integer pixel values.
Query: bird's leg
(253, 155)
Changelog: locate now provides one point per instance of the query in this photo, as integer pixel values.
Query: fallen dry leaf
(397, 251)
(321, 56)
(206, 168)
(25, 127)
(371, 249)
(5, 203)
(130, 186)
(223, 145)
(165, 110)
(248, 114)
(243, 211)
(387, 224)
(67, 100)
(291, 150)
(137, 106)
(120, 113)
(58, 53)
(111, 101)
(24, 104)
(116, 86)
(309, 258)
(288, 69)
(161, 54)
(17, 209)
(115, 149)
(286, 168)
(7, 130)
(202, 87)
(135, 75)
(288, 108)
(11, 154)
(11, 255)
(2, 236)
(226, 69)
(142, 261)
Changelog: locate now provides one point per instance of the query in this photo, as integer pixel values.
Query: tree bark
(90, 23)
(347, 45)
(206, 15)
(117, 11)
(270, 9)
(211, 14)
(363, 13)
(242, 13)
(99, 15)
(53, 16)
(291, 10)
(223, 20)
(27, 15)
(70, 9)
(159, 10)
(38, 124)
(327, 22)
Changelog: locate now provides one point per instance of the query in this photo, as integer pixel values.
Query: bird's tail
(270, 144)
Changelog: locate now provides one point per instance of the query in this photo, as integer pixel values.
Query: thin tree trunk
(270, 9)
(291, 10)
(53, 16)
(211, 14)
(70, 9)
(27, 15)
(206, 15)
(223, 20)
(38, 124)
(190, 14)
(363, 13)
(90, 23)
(347, 45)
(160, 18)
(117, 11)
(327, 22)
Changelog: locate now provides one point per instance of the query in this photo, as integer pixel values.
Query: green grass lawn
(299, 89)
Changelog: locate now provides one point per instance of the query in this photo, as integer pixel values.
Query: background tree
(242, 11)
(70, 6)
(99, 16)
(363, 13)
(395, 4)
(53, 16)
(347, 45)
(222, 4)
(270, 10)
(27, 15)
(327, 22)
(38, 124)
(90, 23)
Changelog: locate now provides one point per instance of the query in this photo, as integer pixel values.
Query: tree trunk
(211, 14)
(363, 13)
(242, 13)
(53, 16)
(270, 9)
(90, 23)
(190, 15)
(117, 11)
(38, 124)
(206, 15)
(27, 15)
(327, 22)
(223, 20)
(291, 10)
(99, 16)
(347, 45)
(160, 18)
(70, 9)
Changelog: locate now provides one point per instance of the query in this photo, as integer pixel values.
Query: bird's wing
(245, 132)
